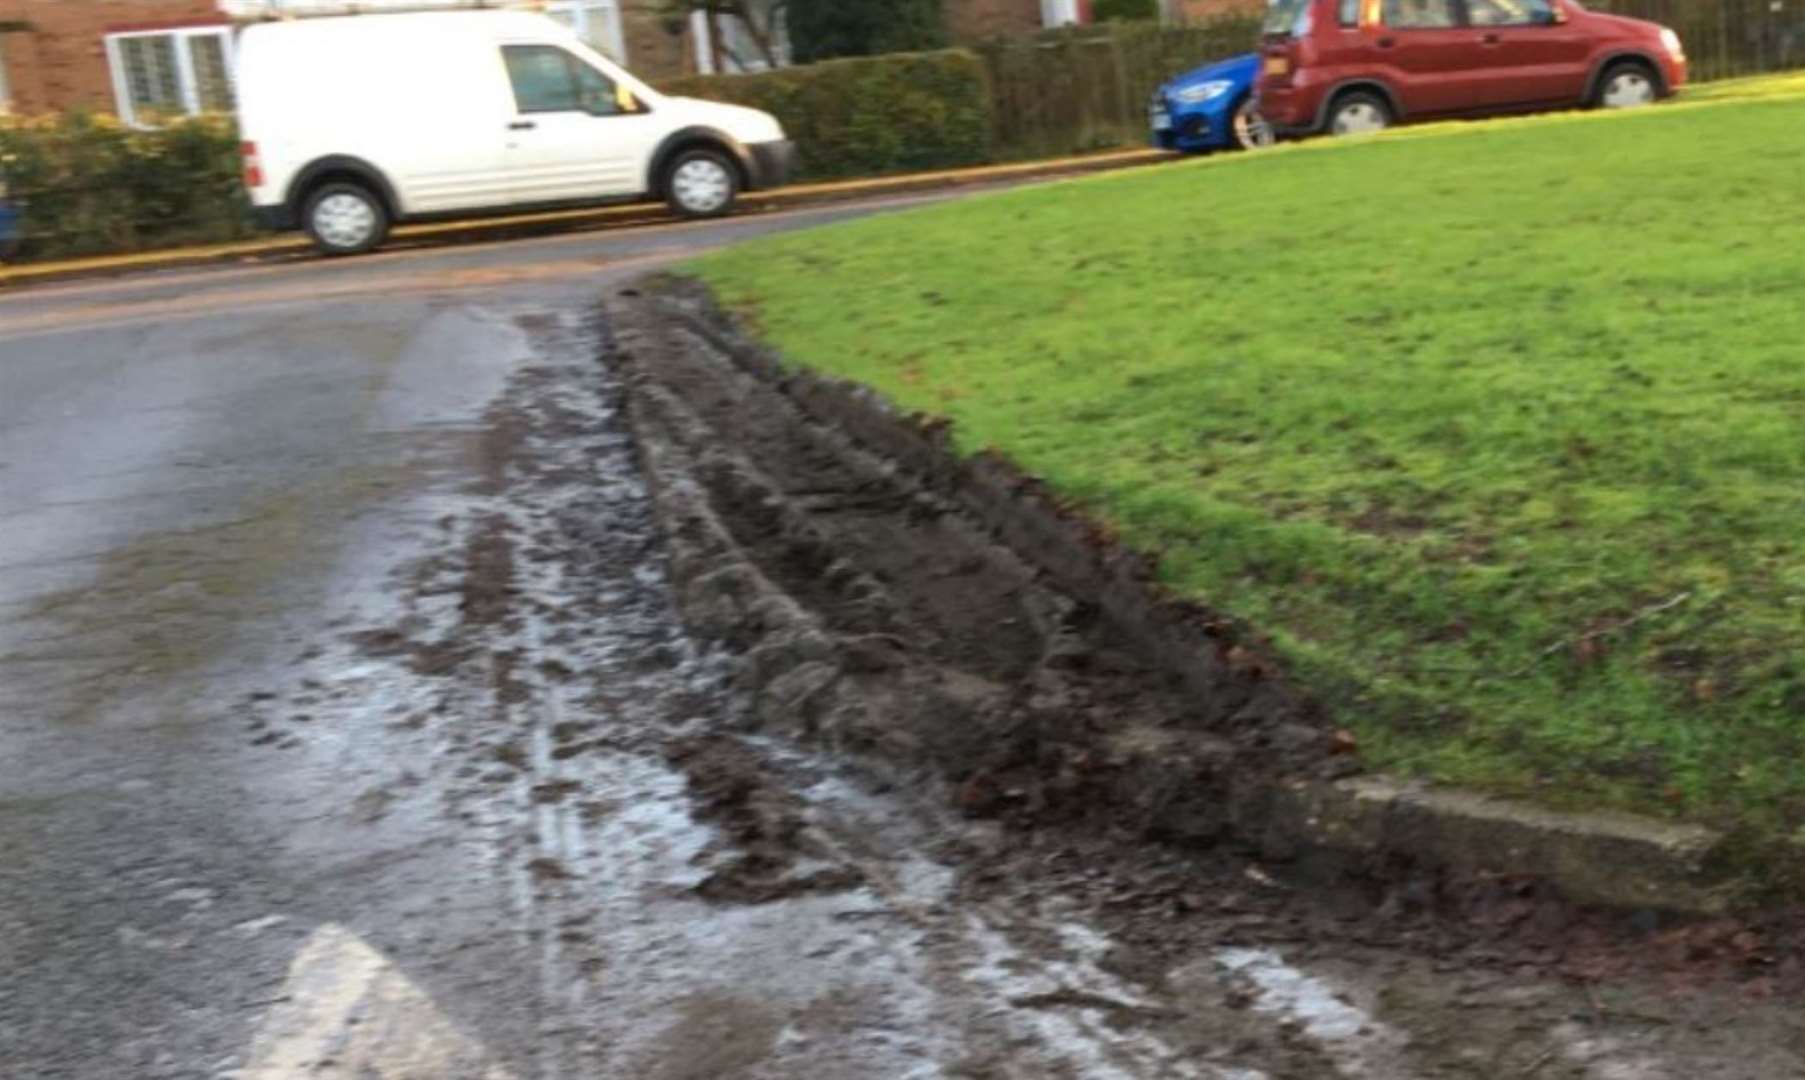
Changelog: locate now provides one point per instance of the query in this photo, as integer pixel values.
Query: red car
(1345, 66)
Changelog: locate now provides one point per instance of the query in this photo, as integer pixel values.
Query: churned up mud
(743, 754)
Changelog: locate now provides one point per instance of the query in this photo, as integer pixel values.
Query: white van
(353, 122)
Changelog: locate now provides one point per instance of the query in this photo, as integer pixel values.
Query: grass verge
(1498, 430)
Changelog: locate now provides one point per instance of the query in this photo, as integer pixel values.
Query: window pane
(596, 22)
(597, 90)
(151, 81)
(212, 79)
(601, 29)
(542, 78)
(1509, 12)
(741, 45)
(1349, 13)
(1419, 14)
(1285, 16)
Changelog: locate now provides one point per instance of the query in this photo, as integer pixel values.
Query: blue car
(1211, 108)
(11, 227)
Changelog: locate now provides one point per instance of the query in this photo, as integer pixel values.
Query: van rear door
(363, 88)
(445, 114)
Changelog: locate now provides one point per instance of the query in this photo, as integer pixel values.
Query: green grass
(1429, 409)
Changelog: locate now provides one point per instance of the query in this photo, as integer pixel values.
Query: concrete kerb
(446, 233)
(1611, 860)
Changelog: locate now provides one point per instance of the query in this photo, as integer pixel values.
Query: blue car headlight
(1201, 92)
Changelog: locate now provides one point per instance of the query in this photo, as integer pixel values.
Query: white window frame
(613, 36)
(1058, 13)
(188, 85)
(702, 35)
(704, 42)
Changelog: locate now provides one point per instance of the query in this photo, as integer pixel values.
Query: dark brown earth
(910, 769)
(924, 643)
(933, 644)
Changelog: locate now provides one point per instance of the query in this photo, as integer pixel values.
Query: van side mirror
(1554, 16)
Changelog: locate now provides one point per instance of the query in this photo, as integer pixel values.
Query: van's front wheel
(345, 219)
(701, 184)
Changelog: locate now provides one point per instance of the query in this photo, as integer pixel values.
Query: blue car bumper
(1192, 130)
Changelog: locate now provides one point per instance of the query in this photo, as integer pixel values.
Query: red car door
(1531, 54)
(1431, 59)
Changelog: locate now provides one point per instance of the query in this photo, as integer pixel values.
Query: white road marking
(346, 1012)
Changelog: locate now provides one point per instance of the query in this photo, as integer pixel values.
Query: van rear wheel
(345, 218)
(701, 183)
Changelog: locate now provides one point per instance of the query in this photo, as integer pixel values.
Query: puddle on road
(314, 427)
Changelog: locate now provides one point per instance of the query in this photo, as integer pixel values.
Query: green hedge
(89, 184)
(1086, 88)
(1125, 10)
(871, 115)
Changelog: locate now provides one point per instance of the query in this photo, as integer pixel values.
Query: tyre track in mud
(825, 565)
(697, 900)
(704, 882)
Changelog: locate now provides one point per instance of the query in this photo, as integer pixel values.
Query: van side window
(548, 79)
(1419, 14)
(1348, 14)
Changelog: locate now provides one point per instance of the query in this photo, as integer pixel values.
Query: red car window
(1510, 12)
(1420, 14)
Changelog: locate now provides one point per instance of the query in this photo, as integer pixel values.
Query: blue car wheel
(1248, 128)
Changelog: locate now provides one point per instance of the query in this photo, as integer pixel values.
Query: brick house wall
(60, 62)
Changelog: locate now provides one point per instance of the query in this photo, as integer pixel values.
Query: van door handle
(1386, 43)
(1488, 39)
(522, 125)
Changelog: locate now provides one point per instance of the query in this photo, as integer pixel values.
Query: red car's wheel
(1358, 112)
(1625, 86)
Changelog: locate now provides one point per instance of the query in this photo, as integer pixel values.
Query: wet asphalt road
(346, 730)
(200, 472)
